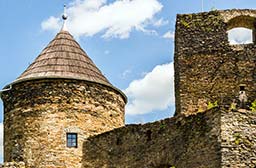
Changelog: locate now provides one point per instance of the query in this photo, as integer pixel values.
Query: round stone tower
(56, 104)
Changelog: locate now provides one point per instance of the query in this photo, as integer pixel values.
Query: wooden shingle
(64, 58)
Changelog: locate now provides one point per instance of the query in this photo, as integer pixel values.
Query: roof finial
(64, 17)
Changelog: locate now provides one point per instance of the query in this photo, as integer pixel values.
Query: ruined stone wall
(238, 139)
(211, 139)
(207, 67)
(13, 165)
(38, 114)
(180, 141)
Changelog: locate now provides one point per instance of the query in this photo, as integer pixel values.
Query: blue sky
(130, 41)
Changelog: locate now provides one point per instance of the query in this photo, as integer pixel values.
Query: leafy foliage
(212, 105)
(232, 106)
(253, 106)
(184, 23)
(238, 139)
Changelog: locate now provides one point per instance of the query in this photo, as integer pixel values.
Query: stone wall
(39, 113)
(180, 141)
(207, 67)
(210, 139)
(13, 165)
(238, 142)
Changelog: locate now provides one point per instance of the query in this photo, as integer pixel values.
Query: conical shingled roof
(63, 58)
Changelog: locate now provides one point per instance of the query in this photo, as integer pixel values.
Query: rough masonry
(64, 92)
(38, 115)
(212, 139)
(207, 67)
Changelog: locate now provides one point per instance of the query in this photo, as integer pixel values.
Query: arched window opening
(240, 35)
(241, 30)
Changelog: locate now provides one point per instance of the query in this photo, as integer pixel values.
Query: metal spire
(64, 17)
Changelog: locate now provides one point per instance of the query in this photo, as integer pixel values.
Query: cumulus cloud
(240, 36)
(155, 91)
(116, 19)
(169, 35)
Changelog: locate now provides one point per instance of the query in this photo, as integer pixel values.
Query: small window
(240, 35)
(242, 87)
(72, 140)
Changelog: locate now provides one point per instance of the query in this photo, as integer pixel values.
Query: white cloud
(169, 35)
(240, 36)
(116, 19)
(126, 73)
(160, 22)
(153, 92)
(52, 24)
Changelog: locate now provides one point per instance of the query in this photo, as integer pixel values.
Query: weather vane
(64, 17)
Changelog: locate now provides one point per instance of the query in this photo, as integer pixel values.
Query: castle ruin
(62, 112)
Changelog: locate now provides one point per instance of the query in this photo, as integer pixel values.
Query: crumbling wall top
(244, 16)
